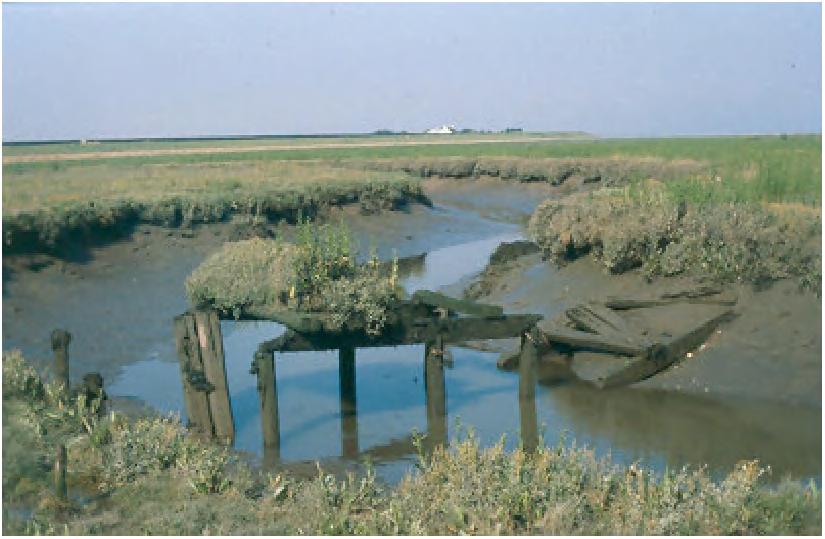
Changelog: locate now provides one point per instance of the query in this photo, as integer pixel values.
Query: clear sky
(93, 71)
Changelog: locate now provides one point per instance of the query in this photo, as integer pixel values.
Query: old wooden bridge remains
(435, 320)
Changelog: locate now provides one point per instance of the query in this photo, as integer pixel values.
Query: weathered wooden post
(263, 365)
(60, 461)
(349, 405)
(214, 367)
(435, 389)
(194, 382)
(527, 392)
(60, 345)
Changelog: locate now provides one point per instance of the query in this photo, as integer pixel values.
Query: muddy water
(121, 320)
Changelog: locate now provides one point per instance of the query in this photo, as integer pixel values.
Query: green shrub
(647, 228)
(20, 380)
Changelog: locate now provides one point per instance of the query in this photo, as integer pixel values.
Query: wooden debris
(60, 462)
(555, 333)
(704, 294)
(665, 354)
(199, 347)
(211, 344)
(605, 322)
(263, 365)
(60, 339)
(436, 299)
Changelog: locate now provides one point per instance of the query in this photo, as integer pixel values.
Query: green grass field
(46, 200)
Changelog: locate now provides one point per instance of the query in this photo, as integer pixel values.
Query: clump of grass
(647, 227)
(317, 274)
(159, 480)
(256, 271)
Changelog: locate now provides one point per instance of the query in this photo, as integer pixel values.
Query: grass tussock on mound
(647, 228)
(318, 274)
(614, 170)
(148, 476)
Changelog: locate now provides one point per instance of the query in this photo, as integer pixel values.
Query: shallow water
(660, 429)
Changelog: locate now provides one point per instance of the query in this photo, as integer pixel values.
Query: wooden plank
(211, 347)
(665, 354)
(553, 333)
(437, 299)
(624, 303)
(455, 330)
(436, 397)
(348, 396)
(605, 322)
(193, 377)
(528, 419)
(263, 365)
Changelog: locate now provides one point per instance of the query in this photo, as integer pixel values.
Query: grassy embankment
(149, 477)
(754, 217)
(774, 182)
(45, 208)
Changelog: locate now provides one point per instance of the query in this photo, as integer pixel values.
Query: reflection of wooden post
(527, 392)
(264, 367)
(60, 460)
(436, 397)
(211, 346)
(349, 406)
(194, 382)
(60, 344)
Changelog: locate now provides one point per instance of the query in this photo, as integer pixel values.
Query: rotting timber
(435, 320)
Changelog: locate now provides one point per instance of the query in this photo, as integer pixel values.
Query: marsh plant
(149, 476)
(319, 273)
(648, 227)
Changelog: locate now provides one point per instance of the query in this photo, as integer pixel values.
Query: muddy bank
(119, 301)
(771, 351)
(68, 230)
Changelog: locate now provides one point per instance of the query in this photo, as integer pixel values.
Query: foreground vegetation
(148, 476)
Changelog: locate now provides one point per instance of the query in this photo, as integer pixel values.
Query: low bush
(159, 480)
(647, 228)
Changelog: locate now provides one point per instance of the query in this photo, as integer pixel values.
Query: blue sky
(95, 70)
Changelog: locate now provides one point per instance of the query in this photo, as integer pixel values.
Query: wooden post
(349, 405)
(194, 382)
(60, 460)
(527, 392)
(435, 389)
(264, 367)
(60, 344)
(211, 347)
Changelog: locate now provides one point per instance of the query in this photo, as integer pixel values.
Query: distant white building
(443, 130)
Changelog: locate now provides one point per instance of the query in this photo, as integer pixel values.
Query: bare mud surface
(118, 302)
(770, 351)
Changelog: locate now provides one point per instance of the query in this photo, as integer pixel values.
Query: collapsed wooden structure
(633, 353)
